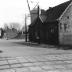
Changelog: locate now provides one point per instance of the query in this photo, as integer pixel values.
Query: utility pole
(25, 29)
(30, 16)
(28, 6)
(39, 24)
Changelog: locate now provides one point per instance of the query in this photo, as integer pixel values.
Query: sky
(15, 10)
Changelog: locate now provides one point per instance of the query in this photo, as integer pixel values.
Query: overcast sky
(14, 10)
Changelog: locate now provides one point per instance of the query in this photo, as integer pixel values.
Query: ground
(19, 56)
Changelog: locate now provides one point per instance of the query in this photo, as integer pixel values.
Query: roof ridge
(65, 11)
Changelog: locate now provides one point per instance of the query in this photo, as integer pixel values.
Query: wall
(34, 15)
(42, 14)
(65, 27)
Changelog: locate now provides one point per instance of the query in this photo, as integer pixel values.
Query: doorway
(53, 33)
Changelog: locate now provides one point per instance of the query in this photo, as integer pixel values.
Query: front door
(53, 33)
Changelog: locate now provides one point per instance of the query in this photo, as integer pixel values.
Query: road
(17, 56)
(18, 48)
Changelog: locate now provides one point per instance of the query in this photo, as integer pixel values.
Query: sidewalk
(64, 47)
(39, 45)
(33, 44)
(42, 63)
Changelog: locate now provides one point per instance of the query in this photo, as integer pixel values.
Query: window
(60, 25)
(65, 27)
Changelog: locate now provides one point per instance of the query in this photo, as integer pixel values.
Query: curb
(39, 45)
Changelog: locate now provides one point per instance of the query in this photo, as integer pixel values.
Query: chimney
(39, 11)
(50, 7)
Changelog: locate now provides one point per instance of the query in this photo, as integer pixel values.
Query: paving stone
(4, 67)
(31, 59)
(16, 65)
(54, 71)
(57, 57)
(51, 57)
(27, 64)
(19, 57)
(47, 67)
(59, 67)
(68, 61)
(49, 63)
(12, 61)
(39, 64)
(7, 70)
(22, 60)
(60, 57)
(22, 70)
(36, 69)
(43, 63)
(59, 62)
(10, 58)
(27, 57)
(66, 70)
(69, 66)
(2, 59)
(3, 62)
(68, 56)
(40, 58)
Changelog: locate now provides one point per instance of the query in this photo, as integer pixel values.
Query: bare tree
(6, 26)
(15, 25)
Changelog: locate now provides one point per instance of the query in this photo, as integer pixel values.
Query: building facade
(52, 23)
(65, 26)
(55, 27)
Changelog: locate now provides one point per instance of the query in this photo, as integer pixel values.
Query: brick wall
(65, 27)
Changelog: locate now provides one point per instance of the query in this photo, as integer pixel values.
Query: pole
(25, 29)
(28, 6)
(39, 24)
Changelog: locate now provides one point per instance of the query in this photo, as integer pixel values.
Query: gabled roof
(55, 12)
(36, 21)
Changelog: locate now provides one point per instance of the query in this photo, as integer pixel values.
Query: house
(38, 12)
(10, 33)
(55, 28)
(65, 26)
(35, 28)
(51, 25)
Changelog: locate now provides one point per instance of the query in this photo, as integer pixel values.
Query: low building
(10, 33)
(56, 27)
(35, 28)
(52, 25)
(65, 26)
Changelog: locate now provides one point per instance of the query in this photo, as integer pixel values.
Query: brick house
(65, 26)
(52, 23)
(35, 28)
(55, 28)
